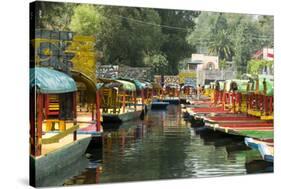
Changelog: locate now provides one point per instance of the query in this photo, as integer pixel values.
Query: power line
(180, 28)
(152, 24)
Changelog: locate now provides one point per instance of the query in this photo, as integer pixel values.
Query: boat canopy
(122, 84)
(156, 86)
(207, 86)
(139, 85)
(219, 85)
(49, 81)
(241, 85)
(264, 86)
(99, 85)
(90, 85)
(126, 85)
(172, 85)
(148, 85)
(212, 85)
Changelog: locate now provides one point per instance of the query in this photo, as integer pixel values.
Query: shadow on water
(164, 146)
(259, 166)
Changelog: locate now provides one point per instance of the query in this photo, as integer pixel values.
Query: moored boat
(54, 143)
(119, 101)
(265, 147)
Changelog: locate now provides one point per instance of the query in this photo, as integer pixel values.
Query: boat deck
(87, 128)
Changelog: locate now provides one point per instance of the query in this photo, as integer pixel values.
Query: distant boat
(118, 102)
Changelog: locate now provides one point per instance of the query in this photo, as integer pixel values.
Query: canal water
(164, 146)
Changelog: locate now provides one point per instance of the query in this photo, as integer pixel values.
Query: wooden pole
(239, 99)
(135, 100)
(271, 104)
(32, 119)
(257, 101)
(39, 122)
(74, 109)
(142, 96)
(233, 96)
(265, 105)
(98, 115)
(123, 102)
(93, 111)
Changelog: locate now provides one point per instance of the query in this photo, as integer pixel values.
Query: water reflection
(164, 146)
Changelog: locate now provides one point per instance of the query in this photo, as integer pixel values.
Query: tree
(245, 43)
(157, 61)
(123, 34)
(53, 15)
(212, 31)
(222, 64)
(256, 67)
(87, 20)
(180, 24)
(266, 28)
(221, 45)
(232, 36)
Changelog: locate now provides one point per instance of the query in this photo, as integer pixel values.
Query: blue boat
(265, 148)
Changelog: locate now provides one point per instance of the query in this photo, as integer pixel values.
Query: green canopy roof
(257, 85)
(122, 84)
(269, 86)
(219, 84)
(50, 81)
(139, 85)
(241, 84)
(126, 85)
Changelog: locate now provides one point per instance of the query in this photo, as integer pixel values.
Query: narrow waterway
(164, 146)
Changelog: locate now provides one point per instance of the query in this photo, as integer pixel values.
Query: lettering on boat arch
(65, 51)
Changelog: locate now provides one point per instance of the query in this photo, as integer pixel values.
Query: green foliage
(266, 29)
(255, 67)
(53, 15)
(232, 36)
(212, 31)
(157, 61)
(122, 33)
(86, 20)
(222, 64)
(174, 45)
(125, 35)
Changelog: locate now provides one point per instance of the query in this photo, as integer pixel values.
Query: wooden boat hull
(120, 118)
(159, 105)
(262, 147)
(44, 167)
(174, 101)
(183, 100)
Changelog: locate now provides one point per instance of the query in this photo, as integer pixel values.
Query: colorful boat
(265, 147)
(53, 108)
(171, 92)
(118, 101)
(260, 101)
